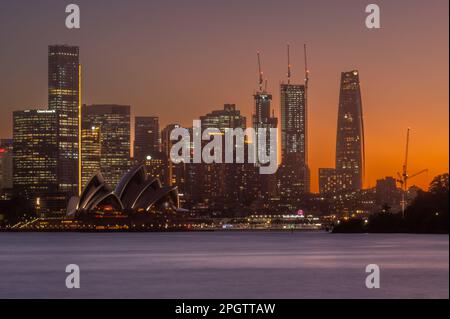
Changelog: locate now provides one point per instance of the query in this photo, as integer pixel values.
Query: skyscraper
(294, 174)
(293, 120)
(147, 140)
(64, 97)
(175, 172)
(350, 133)
(263, 119)
(90, 152)
(114, 124)
(166, 142)
(218, 184)
(35, 152)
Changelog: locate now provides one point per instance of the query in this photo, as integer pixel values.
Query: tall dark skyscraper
(35, 152)
(350, 133)
(263, 114)
(166, 143)
(114, 124)
(64, 97)
(175, 172)
(147, 141)
(262, 118)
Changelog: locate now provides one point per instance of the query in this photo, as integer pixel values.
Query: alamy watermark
(373, 279)
(73, 19)
(373, 19)
(260, 146)
(73, 279)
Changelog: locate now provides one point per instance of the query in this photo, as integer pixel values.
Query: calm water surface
(223, 265)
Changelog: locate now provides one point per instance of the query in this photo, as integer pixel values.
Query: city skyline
(385, 135)
(204, 153)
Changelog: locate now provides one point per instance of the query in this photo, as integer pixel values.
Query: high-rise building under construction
(294, 175)
(263, 118)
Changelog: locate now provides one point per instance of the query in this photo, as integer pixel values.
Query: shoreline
(160, 231)
(103, 231)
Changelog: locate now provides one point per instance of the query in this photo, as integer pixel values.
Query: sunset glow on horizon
(181, 64)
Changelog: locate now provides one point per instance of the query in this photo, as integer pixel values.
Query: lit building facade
(293, 120)
(114, 124)
(35, 152)
(147, 141)
(156, 167)
(64, 97)
(350, 133)
(328, 181)
(294, 174)
(90, 153)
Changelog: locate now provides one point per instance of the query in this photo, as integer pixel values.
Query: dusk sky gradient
(181, 59)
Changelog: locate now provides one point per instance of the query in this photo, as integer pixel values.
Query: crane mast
(306, 102)
(261, 80)
(289, 64)
(405, 177)
(306, 72)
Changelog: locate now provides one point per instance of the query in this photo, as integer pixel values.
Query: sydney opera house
(135, 194)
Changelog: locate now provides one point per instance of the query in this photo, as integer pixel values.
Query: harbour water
(223, 265)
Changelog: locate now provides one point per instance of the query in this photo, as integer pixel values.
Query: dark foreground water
(223, 265)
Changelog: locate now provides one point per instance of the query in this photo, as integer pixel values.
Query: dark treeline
(428, 213)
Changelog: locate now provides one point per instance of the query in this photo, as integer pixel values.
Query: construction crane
(261, 74)
(306, 71)
(289, 65)
(404, 177)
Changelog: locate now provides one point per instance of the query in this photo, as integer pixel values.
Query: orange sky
(181, 59)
